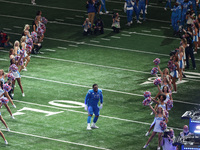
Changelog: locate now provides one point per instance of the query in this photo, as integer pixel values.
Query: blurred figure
(87, 27)
(116, 22)
(103, 6)
(98, 26)
(33, 2)
(4, 40)
(128, 9)
(91, 10)
(175, 18)
(185, 131)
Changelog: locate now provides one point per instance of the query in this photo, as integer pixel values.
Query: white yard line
(59, 19)
(62, 47)
(146, 31)
(79, 16)
(165, 27)
(193, 73)
(69, 18)
(125, 35)
(72, 45)
(105, 39)
(155, 29)
(51, 50)
(116, 37)
(94, 41)
(52, 139)
(3, 59)
(17, 27)
(81, 112)
(7, 29)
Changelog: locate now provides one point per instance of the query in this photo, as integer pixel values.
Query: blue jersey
(92, 98)
(176, 12)
(129, 3)
(186, 6)
(180, 2)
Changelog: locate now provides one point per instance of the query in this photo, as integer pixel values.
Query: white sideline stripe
(105, 39)
(62, 23)
(165, 27)
(59, 19)
(116, 118)
(51, 50)
(7, 29)
(72, 45)
(69, 18)
(79, 16)
(17, 27)
(76, 10)
(62, 47)
(125, 35)
(194, 77)
(94, 41)
(116, 37)
(146, 31)
(155, 29)
(41, 52)
(84, 63)
(52, 139)
(114, 91)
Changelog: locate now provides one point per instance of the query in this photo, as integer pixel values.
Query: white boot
(88, 127)
(94, 126)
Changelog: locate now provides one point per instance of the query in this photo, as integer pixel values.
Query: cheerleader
(4, 100)
(3, 121)
(159, 103)
(26, 57)
(163, 73)
(183, 45)
(195, 36)
(11, 54)
(2, 76)
(3, 137)
(181, 62)
(16, 48)
(159, 116)
(175, 72)
(16, 73)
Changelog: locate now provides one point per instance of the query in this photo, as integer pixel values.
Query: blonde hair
(26, 26)
(23, 39)
(166, 69)
(16, 43)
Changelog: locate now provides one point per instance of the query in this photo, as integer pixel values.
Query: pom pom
(29, 42)
(146, 101)
(147, 94)
(17, 58)
(42, 26)
(13, 68)
(6, 87)
(166, 113)
(171, 66)
(157, 81)
(169, 104)
(163, 125)
(154, 71)
(156, 61)
(29, 48)
(40, 31)
(4, 100)
(11, 76)
(44, 20)
(34, 36)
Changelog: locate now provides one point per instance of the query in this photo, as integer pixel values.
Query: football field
(51, 116)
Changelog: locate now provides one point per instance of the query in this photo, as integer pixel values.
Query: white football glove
(86, 107)
(101, 106)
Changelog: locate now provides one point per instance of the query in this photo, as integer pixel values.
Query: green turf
(67, 74)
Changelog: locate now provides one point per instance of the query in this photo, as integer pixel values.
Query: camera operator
(167, 140)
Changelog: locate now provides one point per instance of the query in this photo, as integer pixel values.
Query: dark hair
(38, 12)
(11, 61)
(167, 88)
(196, 25)
(1, 84)
(164, 96)
(94, 85)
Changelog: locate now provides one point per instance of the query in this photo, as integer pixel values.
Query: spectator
(176, 17)
(91, 10)
(103, 6)
(116, 22)
(98, 26)
(87, 27)
(4, 40)
(167, 141)
(189, 18)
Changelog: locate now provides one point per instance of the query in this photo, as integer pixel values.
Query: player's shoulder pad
(90, 91)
